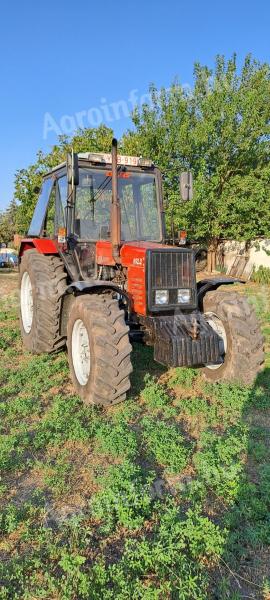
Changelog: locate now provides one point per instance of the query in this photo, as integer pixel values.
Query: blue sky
(62, 61)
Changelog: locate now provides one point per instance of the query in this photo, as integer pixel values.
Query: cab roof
(103, 158)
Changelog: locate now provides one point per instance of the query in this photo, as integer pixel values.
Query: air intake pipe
(115, 207)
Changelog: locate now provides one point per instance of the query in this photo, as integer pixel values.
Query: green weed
(184, 377)
(165, 443)
(117, 440)
(261, 275)
(219, 462)
(130, 541)
(125, 498)
(154, 394)
(58, 473)
(67, 419)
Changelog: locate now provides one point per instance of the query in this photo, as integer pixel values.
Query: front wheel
(99, 350)
(241, 341)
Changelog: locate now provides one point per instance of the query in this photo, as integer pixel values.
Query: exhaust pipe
(115, 208)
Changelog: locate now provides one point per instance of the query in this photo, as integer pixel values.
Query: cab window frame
(159, 204)
(36, 227)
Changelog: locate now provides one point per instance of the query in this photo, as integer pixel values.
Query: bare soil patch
(8, 283)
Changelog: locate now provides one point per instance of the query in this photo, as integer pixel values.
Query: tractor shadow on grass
(143, 364)
(244, 570)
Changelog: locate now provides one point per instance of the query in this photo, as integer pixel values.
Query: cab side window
(62, 190)
(38, 220)
(49, 224)
(55, 217)
(60, 203)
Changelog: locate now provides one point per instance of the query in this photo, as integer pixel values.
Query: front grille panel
(171, 270)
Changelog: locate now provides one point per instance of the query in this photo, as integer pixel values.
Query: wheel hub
(27, 306)
(81, 352)
(215, 322)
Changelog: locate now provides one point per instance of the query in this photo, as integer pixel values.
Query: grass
(164, 496)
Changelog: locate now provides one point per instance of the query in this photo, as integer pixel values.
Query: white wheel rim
(80, 350)
(27, 306)
(217, 325)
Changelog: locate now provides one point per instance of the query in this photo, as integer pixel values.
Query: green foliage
(173, 559)
(165, 443)
(13, 447)
(8, 223)
(261, 275)
(116, 440)
(258, 448)
(28, 180)
(154, 394)
(248, 522)
(118, 504)
(219, 461)
(9, 335)
(221, 132)
(13, 516)
(184, 377)
(66, 420)
(37, 375)
(219, 403)
(58, 472)
(172, 563)
(157, 399)
(125, 498)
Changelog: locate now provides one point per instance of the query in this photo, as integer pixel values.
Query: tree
(220, 131)
(8, 223)
(28, 181)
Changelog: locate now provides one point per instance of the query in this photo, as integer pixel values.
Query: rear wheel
(201, 259)
(42, 285)
(241, 341)
(99, 350)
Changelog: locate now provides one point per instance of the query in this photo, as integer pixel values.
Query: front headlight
(162, 297)
(183, 296)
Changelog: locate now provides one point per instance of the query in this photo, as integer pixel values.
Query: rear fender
(207, 285)
(42, 245)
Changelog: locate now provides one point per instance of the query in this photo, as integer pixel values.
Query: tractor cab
(80, 216)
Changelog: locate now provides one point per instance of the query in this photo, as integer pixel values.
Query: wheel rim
(27, 305)
(215, 322)
(80, 350)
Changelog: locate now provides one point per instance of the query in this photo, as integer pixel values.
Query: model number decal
(138, 261)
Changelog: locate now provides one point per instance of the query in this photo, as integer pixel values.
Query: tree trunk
(212, 256)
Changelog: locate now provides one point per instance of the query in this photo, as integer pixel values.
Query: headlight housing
(161, 296)
(183, 296)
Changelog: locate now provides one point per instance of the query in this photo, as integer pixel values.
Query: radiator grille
(171, 270)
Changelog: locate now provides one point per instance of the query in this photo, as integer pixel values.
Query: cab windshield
(140, 215)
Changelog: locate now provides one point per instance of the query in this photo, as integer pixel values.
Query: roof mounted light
(145, 162)
(96, 157)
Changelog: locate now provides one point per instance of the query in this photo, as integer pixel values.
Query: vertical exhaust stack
(115, 208)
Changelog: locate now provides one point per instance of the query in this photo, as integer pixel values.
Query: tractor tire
(235, 321)
(99, 350)
(42, 283)
(201, 260)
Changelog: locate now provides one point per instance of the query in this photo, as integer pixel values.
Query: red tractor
(96, 273)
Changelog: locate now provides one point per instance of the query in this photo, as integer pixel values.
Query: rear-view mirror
(72, 169)
(186, 186)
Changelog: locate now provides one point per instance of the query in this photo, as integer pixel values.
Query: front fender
(206, 285)
(98, 286)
